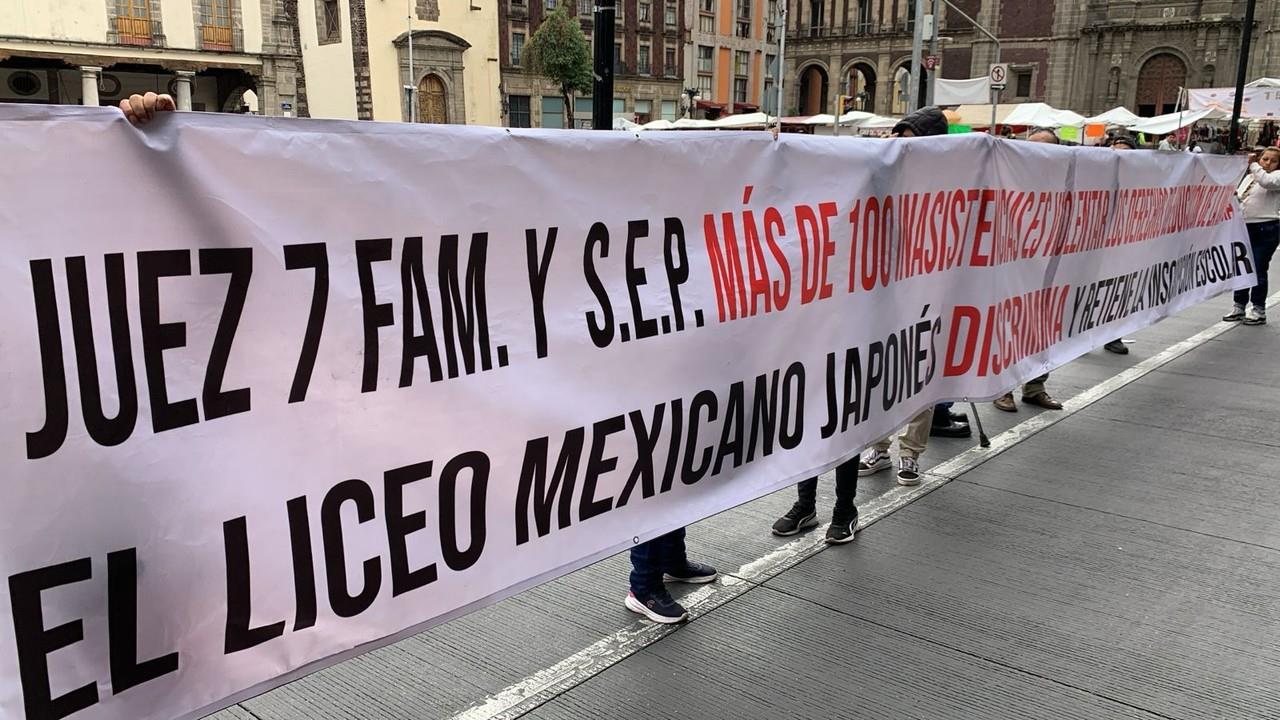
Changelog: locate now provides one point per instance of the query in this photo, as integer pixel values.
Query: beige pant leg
(915, 437)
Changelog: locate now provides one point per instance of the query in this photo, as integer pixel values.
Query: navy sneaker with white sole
(658, 607)
(692, 572)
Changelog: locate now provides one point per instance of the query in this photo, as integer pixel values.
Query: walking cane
(983, 441)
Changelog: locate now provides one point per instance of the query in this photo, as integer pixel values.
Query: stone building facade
(649, 54)
(1088, 56)
(212, 55)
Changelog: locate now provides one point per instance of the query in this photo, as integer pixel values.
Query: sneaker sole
(1254, 322)
(908, 482)
(691, 581)
(874, 469)
(635, 606)
(809, 522)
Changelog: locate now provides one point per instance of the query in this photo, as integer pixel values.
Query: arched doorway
(901, 97)
(813, 90)
(432, 100)
(861, 85)
(1158, 84)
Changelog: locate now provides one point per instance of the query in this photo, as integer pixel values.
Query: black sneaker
(1117, 346)
(658, 607)
(796, 520)
(692, 572)
(842, 530)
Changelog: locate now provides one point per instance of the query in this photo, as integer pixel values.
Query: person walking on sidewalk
(1033, 391)
(653, 563)
(1259, 194)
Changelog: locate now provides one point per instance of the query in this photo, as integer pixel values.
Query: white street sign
(999, 75)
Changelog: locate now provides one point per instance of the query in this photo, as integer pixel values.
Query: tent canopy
(1265, 83)
(849, 119)
(958, 92)
(744, 121)
(658, 125)
(691, 124)
(1165, 124)
(1042, 115)
(1115, 116)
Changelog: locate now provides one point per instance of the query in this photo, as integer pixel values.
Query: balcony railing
(134, 31)
(216, 37)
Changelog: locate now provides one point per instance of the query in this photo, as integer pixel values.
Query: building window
(617, 58)
(1022, 84)
(741, 62)
(215, 24)
(770, 99)
(773, 11)
(518, 111)
(815, 17)
(669, 62)
(669, 108)
(517, 47)
(644, 13)
(740, 90)
(619, 106)
(133, 21)
(744, 18)
(744, 28)
(707, 24)
(585, 7)
(551, 5)
(705, 58)
(642, 60)
(552, 112)
(704, 87)
(644, 111)
(332, 21)
(771, 66)
(669, 9)
(864, 16)
(707, 6)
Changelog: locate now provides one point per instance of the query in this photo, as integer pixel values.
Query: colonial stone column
(89, 77)
(186, 79)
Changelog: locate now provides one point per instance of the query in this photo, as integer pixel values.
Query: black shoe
(658, 607)
(1117, 346)
(691, 572)
(796, 520)
(842, 529)
(951, 430)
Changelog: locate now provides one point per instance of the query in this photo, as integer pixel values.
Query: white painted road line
(545, 684)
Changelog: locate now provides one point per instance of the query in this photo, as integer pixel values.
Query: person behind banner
(1033, 391)
(653, 563)
(1120, 142)
(937, 420)
(1259, 194)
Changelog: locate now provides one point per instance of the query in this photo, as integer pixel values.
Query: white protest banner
(1260, 102)
(276, 392)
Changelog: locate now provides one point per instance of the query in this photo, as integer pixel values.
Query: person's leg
(648, 596)
(1264, 247)
(1034, 386)
(1240, 298)
(676, 566)
(646, 566)
(844, 517)
(803, 514)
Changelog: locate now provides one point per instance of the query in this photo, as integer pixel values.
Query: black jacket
(925, 121)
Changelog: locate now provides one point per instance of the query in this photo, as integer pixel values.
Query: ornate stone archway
(1158, 82)
(437, 68)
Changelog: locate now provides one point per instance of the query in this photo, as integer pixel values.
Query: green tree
(559, 52)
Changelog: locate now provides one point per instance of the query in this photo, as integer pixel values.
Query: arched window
(813, 91)
(901, 98)
(861, 85)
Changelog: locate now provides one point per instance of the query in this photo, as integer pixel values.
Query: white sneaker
(1255, 316)
(1236, 314)
(873, 461)
(908, 471)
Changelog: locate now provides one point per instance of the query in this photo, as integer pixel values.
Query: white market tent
(745, 121)
(658, 125)
(1115, 116)
(980, 115)
(1165, 124)
(879, 122)
(1042, 115)
(691, 124)
(1264, 83)
(849, 119)
(624, 124)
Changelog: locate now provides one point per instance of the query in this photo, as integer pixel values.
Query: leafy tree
(559, 52)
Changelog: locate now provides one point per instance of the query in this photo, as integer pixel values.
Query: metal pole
(413, 86)
(917, 63)
(602, 87)
(933, 50)
(995, 40)
(782, 57)
(839, 112)
(1242, 68)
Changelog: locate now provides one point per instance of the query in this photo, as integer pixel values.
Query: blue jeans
(1263, 237)
(649, 560)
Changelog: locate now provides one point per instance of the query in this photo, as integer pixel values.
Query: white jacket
(1259, 194)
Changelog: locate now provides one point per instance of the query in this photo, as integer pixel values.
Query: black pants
(1264, 237)
(846, 488)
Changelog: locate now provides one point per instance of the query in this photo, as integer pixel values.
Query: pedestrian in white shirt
(1165, 144)
(1259, 194)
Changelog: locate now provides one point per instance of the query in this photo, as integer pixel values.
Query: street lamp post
(1242, 68)
(602, 87)
(995, 40)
